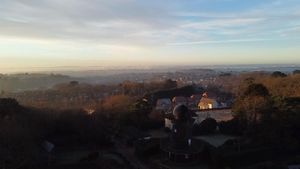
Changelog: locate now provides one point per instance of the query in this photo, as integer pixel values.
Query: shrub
(207, 126)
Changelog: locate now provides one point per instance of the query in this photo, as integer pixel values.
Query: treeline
(267, 119)
(75, 95)
(30, 81)
(278, 83)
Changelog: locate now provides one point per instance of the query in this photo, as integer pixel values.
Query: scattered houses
(201, 106)
(194, 102)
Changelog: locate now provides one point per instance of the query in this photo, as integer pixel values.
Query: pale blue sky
(49, 33)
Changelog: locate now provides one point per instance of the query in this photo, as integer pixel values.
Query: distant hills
(26, 81)
(47, 79)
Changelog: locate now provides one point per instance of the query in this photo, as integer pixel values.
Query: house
(163, 104)
(194, 100)
(207, 103)
(180, 100)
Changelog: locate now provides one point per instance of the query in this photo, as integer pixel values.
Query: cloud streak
(226, 41)
(129, 21)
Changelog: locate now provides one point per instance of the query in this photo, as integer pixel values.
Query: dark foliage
(232, 127)
(207, 126)
(256, 89)
(278, 74)
(23, 130)
(225, 74)
(170, 84)
(9, 106)
(296, 72)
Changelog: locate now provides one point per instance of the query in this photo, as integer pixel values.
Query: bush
(231, 127)
(278, 74)
(207, 126)
(296, 72)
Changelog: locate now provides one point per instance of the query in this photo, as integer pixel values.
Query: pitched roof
(207, 100)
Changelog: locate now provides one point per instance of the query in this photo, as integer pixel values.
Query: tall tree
(253, 104)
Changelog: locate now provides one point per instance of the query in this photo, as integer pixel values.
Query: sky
(37, 34)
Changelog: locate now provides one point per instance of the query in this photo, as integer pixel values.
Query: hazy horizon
(73, 70)
(38, 35)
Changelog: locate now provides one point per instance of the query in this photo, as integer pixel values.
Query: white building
(207, 103)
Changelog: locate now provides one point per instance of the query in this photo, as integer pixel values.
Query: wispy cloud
(220, 23)
(99, 28)
(140, 22)
(226, 41)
